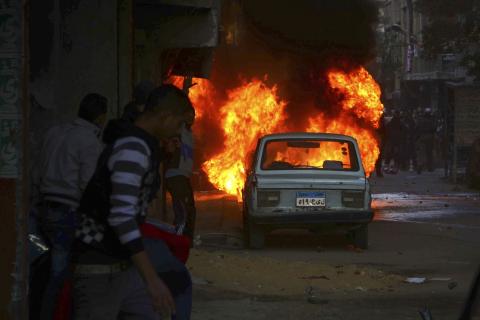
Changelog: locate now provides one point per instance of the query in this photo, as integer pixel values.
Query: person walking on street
(381, 138)
(425, 141)
(410, 153)
(178, 180)
(115, 276)
(67, 160)
(394, 131)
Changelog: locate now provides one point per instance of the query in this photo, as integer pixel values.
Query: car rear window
(303, 154)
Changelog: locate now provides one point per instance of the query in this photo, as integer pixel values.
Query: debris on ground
(440, 279)
(259, 275)
(416, 280)
(452, 285)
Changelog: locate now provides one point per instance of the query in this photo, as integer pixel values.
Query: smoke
(314, 26)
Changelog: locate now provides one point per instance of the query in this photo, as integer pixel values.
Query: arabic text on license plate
(311, 199)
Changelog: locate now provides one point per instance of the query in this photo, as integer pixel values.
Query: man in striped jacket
(114, 274)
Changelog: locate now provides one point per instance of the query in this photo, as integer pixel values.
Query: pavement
(424, 227)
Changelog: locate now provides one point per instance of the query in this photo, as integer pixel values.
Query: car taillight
(268, 198)
(353, 199)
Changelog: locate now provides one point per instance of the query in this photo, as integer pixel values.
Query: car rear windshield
(301, 154)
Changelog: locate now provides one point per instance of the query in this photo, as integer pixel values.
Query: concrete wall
(90, 53)
(12, 192)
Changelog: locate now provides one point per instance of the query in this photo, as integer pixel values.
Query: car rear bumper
(315, 217)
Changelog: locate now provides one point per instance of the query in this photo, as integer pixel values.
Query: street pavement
(424, 227)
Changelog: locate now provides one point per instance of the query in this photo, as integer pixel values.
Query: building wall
(12, 98)
(91, 51)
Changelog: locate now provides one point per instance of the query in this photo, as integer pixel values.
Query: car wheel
(360, 237)
(254, 235)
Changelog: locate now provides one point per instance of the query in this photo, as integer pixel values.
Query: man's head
(93, 108)
(165, 111)
(141, 92)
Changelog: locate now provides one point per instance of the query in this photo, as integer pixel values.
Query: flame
(254, 109)
(251, 111)
(367, 142)
(361, 94)
(201, 94)
(315, 156)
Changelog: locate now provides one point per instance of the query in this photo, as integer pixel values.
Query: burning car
(306, 180)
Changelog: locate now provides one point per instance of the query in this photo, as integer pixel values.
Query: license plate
(311, 199)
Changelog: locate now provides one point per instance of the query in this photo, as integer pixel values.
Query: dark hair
(92, 106)
(142, 91)
(157, 96)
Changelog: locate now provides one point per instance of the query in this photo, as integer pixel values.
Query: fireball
(255, 109)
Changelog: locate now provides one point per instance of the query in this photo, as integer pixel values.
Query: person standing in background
(67, 160)
(179, 171)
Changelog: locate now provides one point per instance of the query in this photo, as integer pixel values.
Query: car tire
(254, 235)
(360, 237)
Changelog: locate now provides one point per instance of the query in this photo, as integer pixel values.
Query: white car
(306, 180)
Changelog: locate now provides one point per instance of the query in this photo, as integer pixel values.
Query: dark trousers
(122, 295)
(57, 223)
(183, 204)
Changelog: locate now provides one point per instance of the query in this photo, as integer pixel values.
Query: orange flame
(252, 110)
(316, 156)
(201, 94)
(361, 94)
(367, 142)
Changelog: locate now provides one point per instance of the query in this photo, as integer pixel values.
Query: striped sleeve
(128, 164)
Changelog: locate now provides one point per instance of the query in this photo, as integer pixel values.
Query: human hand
(161, 297)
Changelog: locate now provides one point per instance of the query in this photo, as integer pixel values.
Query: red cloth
(63, 311)
(178, 244)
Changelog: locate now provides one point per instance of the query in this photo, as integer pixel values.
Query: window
(298, 154)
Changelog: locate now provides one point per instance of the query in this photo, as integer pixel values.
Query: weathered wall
(77, 47)
(12, 245)
(87, 55)
(175, 36)
(467, 115)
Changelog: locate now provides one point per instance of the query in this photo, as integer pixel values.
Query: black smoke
(314, 27)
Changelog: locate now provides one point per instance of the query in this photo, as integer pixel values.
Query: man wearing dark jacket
(67, 160)
(114, 275)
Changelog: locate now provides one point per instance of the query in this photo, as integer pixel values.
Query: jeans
(57, 222)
